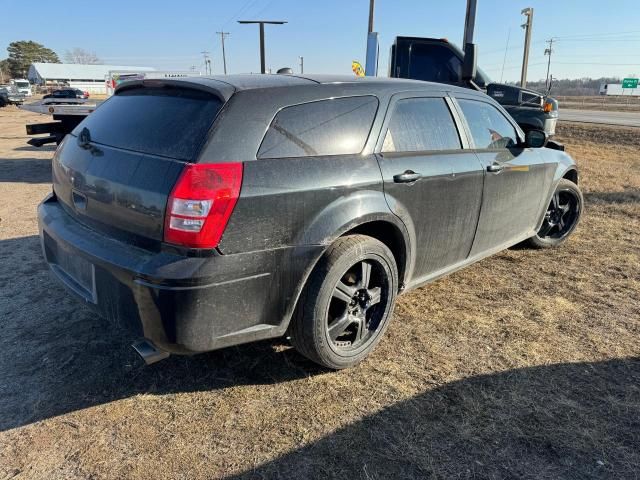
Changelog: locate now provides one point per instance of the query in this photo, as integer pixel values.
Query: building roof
(75, 71)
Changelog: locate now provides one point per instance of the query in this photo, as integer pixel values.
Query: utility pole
(224, 57)
(301, 64)
(528, 12)
(469, 22)
(262, 23)
(371, 64)
(549, 51)
(371, 9)
(207, 64)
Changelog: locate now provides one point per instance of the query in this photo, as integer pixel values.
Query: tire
(568, 194)
(324, 310)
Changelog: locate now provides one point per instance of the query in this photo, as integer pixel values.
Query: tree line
(572, 87)
(25, 52)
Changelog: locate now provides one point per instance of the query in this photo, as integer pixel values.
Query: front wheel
(347, 303)
(562, 216)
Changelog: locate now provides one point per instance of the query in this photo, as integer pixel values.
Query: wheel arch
(383, 226)
(572, 175)
(391, 236)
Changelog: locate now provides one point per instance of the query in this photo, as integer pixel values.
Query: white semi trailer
(616, 89)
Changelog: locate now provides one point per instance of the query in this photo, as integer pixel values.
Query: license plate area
(77, 273)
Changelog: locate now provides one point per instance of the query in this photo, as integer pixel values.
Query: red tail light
(201, 203)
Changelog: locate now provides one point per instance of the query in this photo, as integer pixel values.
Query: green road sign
(630, 83)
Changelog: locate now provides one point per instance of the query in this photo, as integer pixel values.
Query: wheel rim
(561, 215)
(357, 306)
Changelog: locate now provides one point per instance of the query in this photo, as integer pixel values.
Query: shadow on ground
(31, 148)
(568, 421)
(57, 356)
(25, 170)
(628, 195)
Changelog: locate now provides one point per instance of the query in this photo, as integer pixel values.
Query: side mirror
(469, 65)
(536, 138)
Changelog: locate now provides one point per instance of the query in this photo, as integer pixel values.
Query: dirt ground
(525, 365)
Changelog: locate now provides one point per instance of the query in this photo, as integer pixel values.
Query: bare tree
(80, 55)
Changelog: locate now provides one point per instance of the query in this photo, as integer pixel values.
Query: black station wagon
(209, 212)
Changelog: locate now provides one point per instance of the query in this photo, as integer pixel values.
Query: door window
(336, 126)
(489, 127)
(421, 124)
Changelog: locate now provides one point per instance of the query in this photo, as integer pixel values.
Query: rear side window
(171, 122)
(337, 126)
(421, 124)
(489, 127)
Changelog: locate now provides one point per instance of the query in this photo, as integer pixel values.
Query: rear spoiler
(220, 89)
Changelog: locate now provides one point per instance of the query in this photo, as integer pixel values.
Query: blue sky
(595, 38)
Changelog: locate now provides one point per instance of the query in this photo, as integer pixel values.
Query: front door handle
(407, 177)
(495, 168)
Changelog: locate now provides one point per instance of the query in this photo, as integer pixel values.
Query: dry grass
(526, 365)
(626, 103)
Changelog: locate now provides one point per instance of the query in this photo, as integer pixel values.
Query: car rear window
(171, 122)
(337, 126)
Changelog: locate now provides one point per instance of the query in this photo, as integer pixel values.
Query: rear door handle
(495, 168)
(407, 177)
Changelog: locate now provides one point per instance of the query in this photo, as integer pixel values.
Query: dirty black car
(209, 212)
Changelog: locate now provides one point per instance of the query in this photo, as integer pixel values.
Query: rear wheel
(562, 216)
(347, 303)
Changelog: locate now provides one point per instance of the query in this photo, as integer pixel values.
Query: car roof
(252, 81)
(226, 85)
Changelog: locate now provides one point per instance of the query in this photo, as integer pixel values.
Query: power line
(597, 34)
(504, 60)
(600, 63)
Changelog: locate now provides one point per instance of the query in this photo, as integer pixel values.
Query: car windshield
(22, 84)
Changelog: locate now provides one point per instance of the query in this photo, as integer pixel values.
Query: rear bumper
(182, 304)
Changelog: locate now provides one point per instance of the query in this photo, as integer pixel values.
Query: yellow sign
(357, 69)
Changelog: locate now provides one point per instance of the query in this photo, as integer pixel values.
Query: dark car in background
(9, 95)
(438, 60)
(209, 212)
(67, 93)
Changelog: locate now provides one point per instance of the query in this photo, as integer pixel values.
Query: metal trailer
(66, 117)
(69, 112)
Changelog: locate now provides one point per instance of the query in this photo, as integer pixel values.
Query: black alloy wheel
(347, 302)
(354, 312)
(562, 216)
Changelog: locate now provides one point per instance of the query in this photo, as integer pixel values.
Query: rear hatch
(115, 171)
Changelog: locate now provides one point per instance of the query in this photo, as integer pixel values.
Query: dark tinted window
(328, 127)
(419, 124)
(489, 127)
(434, 63)
(161, 121)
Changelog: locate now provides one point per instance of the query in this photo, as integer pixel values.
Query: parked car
(209, 212)
(67, 93)
(9, 95)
